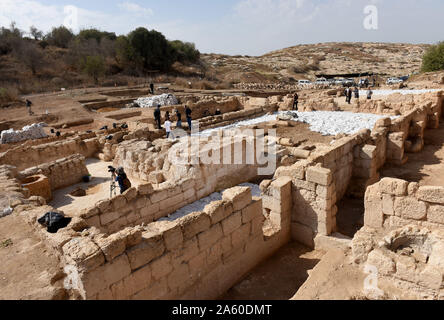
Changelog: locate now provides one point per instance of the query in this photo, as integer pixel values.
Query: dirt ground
(300, 133)
(96, 190)
(334, 278)
(426, 167)
(279, 277)
(27, 268)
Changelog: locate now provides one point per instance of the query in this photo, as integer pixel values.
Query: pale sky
(246, 27)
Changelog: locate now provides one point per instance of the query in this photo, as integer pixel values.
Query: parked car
(304, 82)
(322, 81)
(339, 81)
(349, 83)
(391, 81)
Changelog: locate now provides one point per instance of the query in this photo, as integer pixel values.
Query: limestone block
(159, 196)
(431, 194)
(410, 208)
(89, 213)
(280, 189)
(374, 216)
(130, 194)
(385, 265)
(218, 211)
(150, 210)
(368, 152)
(252, 211)
(435, 214)
(106, 275)
(388, 204)
(132, 284)
(151, 247)
(319, 175)
(239, 196)
(232, 223)
(112, 246)
(272, 204)
(210, 237)
(145, 189)
(194, 224)
(119, 202)
(240, 236)
(302, 184)
(104, 206)
(405, 268)
(84, 253)
(394, 187)
(161, 267)
(431, 277)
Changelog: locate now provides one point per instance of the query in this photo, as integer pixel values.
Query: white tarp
(162, 100)
(34, 131)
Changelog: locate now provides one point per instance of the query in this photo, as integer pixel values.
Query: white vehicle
(339, 81)
(322, 81)
(304, 82)
(394, 81)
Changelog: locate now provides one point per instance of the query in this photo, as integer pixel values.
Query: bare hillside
(307, 61)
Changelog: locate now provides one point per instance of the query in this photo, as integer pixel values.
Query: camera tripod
(113, 187)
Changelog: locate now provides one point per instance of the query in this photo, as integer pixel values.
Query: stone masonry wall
(393, 203)
(199, 256)
(28, 157)
(61, 173)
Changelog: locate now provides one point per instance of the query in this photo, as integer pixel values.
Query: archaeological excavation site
(335, 201)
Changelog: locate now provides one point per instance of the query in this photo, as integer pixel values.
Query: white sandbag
(162, 100)
(34, 131)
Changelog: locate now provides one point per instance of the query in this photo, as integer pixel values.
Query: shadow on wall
(434, 141)
(277, 278)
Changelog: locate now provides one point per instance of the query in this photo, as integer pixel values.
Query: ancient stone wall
(61, 173)
(393, 203)
(28, 157)
(199, 256)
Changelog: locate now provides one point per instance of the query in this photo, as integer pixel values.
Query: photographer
(121, 178)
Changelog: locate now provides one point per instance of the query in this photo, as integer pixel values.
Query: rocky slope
(307, 61)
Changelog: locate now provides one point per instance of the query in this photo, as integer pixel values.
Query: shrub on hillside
(8, 94)
(94, 66)
(433, 59)
(60, 37)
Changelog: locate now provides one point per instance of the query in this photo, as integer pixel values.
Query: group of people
(349, 93)
(168, 124)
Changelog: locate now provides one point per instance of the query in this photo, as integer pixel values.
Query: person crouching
(122, 180)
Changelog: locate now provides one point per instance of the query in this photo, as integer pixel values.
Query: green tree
(87, 34)
(94, 66)
(60, 37)
(152, 48)
(433, 59)
(185, 51)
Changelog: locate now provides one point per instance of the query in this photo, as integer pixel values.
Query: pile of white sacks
(162, 100)
(34, 131)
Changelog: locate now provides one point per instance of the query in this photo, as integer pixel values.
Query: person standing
(296, 102)
(369, 94)
(157, 117)
(179, 118)
(356, 93)
(188, 113)
(28, 106)
(152, 88)
(168, 129)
